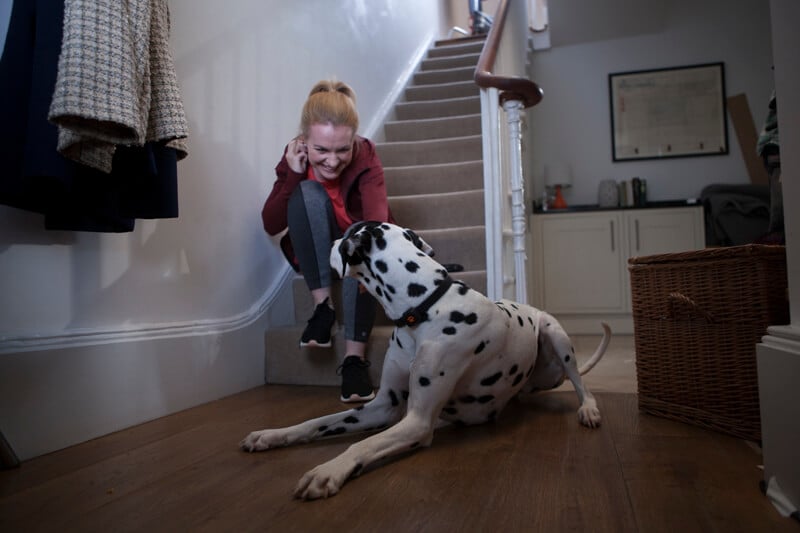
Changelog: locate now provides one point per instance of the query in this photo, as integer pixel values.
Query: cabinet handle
(637, 234)
(612, 234)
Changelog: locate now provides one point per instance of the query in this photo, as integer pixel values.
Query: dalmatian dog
(454, 357)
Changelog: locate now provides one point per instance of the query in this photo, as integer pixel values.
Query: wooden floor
(535, 469)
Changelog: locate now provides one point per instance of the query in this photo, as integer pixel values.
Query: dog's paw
(323, 481)
(589, 415)
(258, 441)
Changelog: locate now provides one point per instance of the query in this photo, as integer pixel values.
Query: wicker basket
(697, 317)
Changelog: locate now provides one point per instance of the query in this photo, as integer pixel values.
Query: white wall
(572, 123)
(101, 331)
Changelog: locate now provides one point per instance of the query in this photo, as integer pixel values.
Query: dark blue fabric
(34, 176)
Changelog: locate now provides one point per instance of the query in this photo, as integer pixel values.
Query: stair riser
(417, 130)
(443, 91)
(456, 50)
(437, 211)
(465, 246)
(438, 63)
(288, 364)
(429, 179)
(444, 76)
(431, 152)
(434, 109)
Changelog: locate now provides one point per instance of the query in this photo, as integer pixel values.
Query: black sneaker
(356, 386)
(320, 328)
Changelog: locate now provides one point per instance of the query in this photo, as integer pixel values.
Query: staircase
(432, 160)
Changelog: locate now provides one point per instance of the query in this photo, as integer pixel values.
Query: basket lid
(727, 252)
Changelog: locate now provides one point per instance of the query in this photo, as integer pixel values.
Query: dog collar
(419, 314)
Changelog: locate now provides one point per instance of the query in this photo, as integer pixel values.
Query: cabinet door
(661, 231)
(582, 262)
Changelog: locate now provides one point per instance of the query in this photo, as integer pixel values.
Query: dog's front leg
(386, 409)
(434, 374)
(377, 414)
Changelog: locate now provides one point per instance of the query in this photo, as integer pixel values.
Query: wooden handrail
(511, 87)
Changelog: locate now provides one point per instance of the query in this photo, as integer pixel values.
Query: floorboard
(535, 469)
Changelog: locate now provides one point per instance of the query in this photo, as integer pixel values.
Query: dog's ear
(417, 241)
(351, 245)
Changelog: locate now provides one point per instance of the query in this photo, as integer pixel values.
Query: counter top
(689, 202)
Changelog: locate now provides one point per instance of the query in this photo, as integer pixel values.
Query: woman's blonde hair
(331, 102)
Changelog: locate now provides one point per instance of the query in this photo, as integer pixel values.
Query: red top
(361, 187)
(333, 188)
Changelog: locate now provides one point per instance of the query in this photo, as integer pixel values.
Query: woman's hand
(297, 155)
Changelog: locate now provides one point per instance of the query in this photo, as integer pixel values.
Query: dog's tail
(598, 353)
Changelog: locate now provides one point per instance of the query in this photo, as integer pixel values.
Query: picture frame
(668, 112)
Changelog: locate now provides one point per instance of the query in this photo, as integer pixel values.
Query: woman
(327, 179)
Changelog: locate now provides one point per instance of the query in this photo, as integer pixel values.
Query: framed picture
(668, 112)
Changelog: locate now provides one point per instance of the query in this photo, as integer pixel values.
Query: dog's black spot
(388, 298)
(463, 289)
(391, 289)
(415, 290)
(486, 398)
(530, 320)
(506, 311)
(517, 380)
(381, 266)
(468, 399)
(513, 370)
(491, 380)
(397, 340)
(332, 432)
(412, 267)
(380, 243)
(450, 410)
(519, 319)
(404, 394)
(322, 428)
(356, 470)
(566, 358)
(393, 397)
(424, 381)
(351, 420)
(449, 330)
(441, 373)
(480, 347)
(378, 291)
(458, 317)
(548, 324)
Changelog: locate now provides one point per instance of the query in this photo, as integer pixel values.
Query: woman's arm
(274, 212)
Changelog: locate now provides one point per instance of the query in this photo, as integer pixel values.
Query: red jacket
(362, 185)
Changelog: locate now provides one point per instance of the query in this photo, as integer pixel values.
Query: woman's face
(330, 149)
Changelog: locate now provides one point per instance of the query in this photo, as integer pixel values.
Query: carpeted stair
(432, 160)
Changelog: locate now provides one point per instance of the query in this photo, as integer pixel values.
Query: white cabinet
(661, 231)
(580, 259)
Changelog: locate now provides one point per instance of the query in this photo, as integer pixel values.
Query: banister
(511, 87)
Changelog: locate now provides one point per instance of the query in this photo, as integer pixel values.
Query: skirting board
(778, 359)
(51, 399)
(62, 390)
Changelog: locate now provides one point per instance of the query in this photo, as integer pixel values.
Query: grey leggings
(312, 229)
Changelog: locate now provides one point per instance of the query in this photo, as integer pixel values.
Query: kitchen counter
(594, 207)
